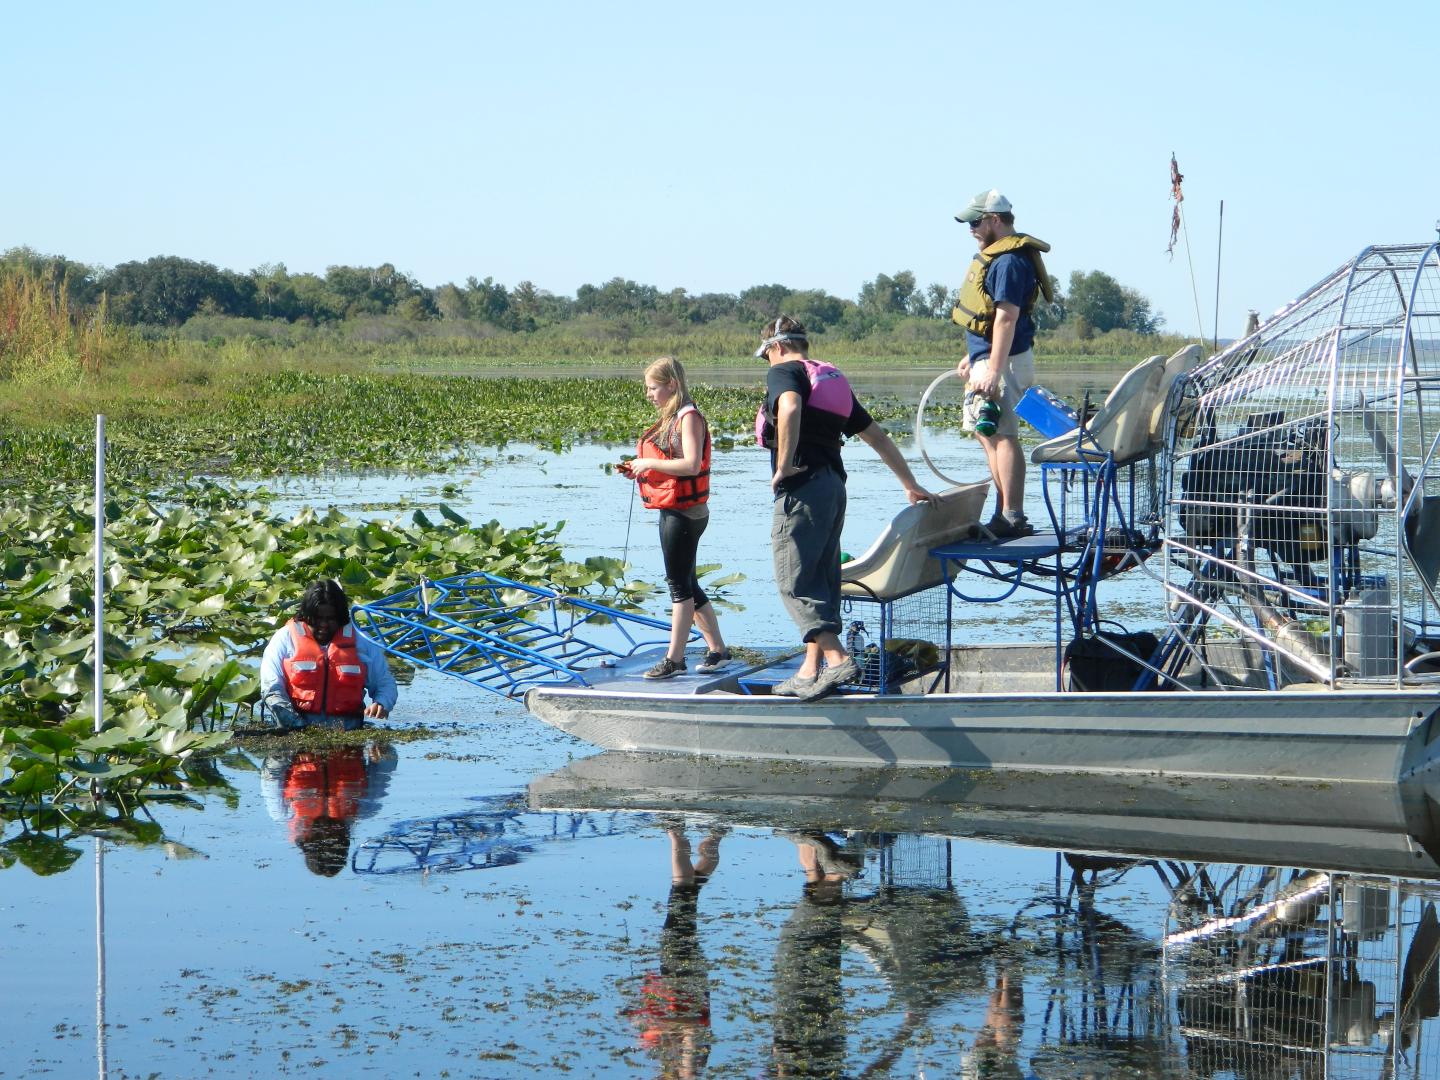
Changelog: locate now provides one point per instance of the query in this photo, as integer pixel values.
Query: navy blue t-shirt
(1011, 279)
(822, 433)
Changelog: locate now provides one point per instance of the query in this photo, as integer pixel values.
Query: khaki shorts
(1019, 377)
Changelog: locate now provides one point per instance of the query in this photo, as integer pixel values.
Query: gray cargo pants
(805, 543)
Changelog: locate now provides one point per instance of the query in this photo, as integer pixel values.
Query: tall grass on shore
(43, 342)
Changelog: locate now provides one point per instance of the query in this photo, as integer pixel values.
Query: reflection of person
(998, 1043)
(809, 1036)
(994, 307)
(673, 469)
(674, 1008)
(317, 669)
(320, 795)
(804, 427)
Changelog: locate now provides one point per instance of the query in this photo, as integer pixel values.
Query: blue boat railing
(504, 636)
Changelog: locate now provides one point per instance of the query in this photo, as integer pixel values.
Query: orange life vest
(327, 785)
(329, 680)
(661, 491)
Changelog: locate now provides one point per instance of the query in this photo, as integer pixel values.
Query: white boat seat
(1131, 421)
(899, 561)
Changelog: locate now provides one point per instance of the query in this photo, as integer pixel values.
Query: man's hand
(376, 711)
(918, 495)
(986, 382)
(963, 369)
(784, 472)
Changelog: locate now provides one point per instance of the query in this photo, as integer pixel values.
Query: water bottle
(855, 640)
(985, 412)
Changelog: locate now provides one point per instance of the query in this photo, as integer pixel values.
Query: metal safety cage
(503, 636)
(1302, 528)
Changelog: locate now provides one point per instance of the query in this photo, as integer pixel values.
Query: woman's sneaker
(714, 661)
(666, 669)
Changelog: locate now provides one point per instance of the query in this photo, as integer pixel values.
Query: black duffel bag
(1093, 664)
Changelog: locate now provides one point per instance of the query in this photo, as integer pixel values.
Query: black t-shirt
(822, 433)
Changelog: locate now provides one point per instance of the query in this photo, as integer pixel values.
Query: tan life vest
(975, 308)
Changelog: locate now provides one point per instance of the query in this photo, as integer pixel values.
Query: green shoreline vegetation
(198, 572)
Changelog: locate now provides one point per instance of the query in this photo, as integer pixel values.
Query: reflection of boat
(1289, 488)
(1367, 828)
(1296, 973)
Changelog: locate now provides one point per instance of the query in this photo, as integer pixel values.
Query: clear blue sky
(718, 146)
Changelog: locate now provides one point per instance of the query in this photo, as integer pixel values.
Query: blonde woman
(672, 467)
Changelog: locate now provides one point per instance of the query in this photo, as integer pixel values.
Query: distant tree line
(167, 291)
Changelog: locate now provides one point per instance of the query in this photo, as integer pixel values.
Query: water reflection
(672, 1006)
(320, 794)
(498, 830)
(1254, 971)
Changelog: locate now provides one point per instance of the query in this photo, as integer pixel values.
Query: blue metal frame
(501, 635)
(1045, 558)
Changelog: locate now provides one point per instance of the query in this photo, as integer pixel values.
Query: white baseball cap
(987, 202)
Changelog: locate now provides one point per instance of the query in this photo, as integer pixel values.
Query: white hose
(949, 373)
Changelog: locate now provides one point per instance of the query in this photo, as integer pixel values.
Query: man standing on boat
(809, 410)
(994, 307)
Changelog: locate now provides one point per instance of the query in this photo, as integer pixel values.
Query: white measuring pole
(99, 569)
(101, 1054)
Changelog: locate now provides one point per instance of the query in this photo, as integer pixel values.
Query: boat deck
(627, 675)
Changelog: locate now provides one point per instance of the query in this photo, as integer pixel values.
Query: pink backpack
(829, 392)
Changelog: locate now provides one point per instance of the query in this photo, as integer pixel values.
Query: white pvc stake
(99, 570)
(101, 1055)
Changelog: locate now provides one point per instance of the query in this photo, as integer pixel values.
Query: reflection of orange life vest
(662, 1001)
(329, 680)
(328, 786)
(661, 491)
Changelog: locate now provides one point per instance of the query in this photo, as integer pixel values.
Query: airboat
(1284, 493)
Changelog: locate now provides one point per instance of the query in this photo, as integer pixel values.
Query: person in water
(809, 410)
(318, 670)
(672, 467)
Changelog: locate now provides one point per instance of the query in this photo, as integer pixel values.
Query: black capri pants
(679, 541)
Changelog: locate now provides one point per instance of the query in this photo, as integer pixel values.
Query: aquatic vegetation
(300, 423)
(196, 580)
(68, 783)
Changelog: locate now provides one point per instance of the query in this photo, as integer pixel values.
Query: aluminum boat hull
(1360, 735)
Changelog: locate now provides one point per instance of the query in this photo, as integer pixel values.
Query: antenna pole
(1219, 247)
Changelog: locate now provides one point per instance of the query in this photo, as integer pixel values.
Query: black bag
(1091, 664)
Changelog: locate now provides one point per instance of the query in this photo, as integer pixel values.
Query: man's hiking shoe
(847, 671)
(796, 685)
(831, 859)
(1002, 528)
(714, 661)
(666, 669)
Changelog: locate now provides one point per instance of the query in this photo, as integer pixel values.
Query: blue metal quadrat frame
(504, 636)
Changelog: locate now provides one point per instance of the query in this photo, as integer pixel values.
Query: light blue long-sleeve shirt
(379, 683)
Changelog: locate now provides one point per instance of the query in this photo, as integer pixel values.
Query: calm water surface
(500, 901)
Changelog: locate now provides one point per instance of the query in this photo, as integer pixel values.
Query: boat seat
(899, 562)
(1130, 423)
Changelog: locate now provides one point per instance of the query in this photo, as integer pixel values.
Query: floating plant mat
(304, 422)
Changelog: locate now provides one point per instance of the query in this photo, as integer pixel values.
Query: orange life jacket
(328, 785)
(661, 491)
(329, 680)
